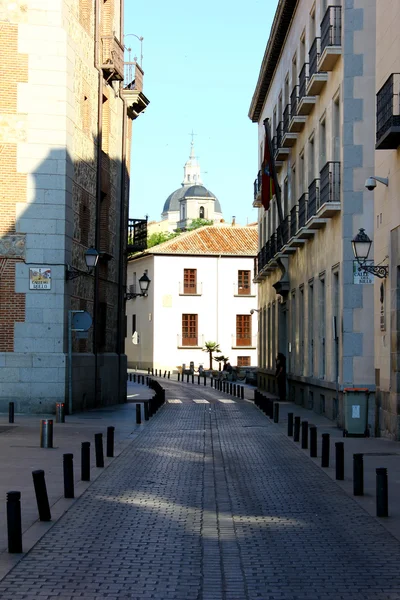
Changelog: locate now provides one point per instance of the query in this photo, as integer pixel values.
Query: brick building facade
(65, 134)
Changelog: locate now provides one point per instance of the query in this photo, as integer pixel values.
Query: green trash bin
(355, 403)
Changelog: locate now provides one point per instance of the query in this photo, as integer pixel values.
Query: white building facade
(317, 87)
(201, 290)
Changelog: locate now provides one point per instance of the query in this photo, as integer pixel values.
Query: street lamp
(361, 246)
(144, 284)
(91, 258)
(140, 38)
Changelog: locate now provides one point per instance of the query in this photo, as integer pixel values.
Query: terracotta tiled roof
(220, 239)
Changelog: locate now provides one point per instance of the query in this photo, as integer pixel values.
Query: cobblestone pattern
(211, 502)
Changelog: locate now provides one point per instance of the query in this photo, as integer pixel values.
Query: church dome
(172, 202)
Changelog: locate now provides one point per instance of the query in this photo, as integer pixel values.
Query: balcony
(305, 232)
(195, 289)
(331, 38)
(329, 191)
(293, 221)
(112, 58)
(281, 153)
(244, 341)
(316, 79)
(190, 343)
(284, 235)
(257, 191)
(306, 103)
(313, 219)
(296, 122)
(132, 93)
(137, 235)
(289, 139)
(388, 114)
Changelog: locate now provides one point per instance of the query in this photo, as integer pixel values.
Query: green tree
(196, 223)
(211, 347)
(159, 237)
(221, 359)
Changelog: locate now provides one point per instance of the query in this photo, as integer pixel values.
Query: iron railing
(137, 235)
(294, 98)
(312, 205)
(286, 119)
(293, 221)
(278, 136)
(257, 184)
(303, 79)
(330, 183)
(285, 229)
(313, 57)
(302, 210)
(273, 246)
(388, 105)
(331, 27)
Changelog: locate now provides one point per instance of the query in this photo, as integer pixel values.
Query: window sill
(249, 347)
(244, 295)
(189, 347)
(194, 294)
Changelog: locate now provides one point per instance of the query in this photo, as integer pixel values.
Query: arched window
(201, 212)
(188, 177)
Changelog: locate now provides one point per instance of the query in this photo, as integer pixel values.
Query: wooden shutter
(244, 283)
(189, 330)
(243, 361)
(189, 281)
(243, 330)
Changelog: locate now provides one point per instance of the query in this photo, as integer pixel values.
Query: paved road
(211, 502)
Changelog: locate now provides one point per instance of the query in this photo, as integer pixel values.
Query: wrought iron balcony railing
(313, 57)
(293, 220)
(294, 98)
(257, 184)
(303, 79)
(137, 235)
(273, 245)
(286, 119)
(302, 216)
(285, 229)
(330, 183)
(388, 114)
(331, 27)
(278, 136)
(313, 204)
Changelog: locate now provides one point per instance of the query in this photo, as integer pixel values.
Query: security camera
(370, 183)
(252, 311)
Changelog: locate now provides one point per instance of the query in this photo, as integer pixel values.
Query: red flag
(267, 175)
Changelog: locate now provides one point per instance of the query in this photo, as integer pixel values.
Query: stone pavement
(211, 501)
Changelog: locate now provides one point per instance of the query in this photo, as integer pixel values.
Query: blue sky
(201, 64)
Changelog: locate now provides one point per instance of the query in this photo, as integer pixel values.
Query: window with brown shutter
(189, 330)
(189, 281)
(243, 361)
(243, 330)
(244, 283)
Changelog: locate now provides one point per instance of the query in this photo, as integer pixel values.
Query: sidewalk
(378, 452)
(21, 452)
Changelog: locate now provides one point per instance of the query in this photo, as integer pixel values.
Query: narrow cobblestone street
(211, 502)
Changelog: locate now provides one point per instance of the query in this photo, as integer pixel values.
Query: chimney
(233, 220)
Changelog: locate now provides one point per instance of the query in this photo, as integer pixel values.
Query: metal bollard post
(242, 392)
(276, 412)
(230, 388)
(98, 446)
(169, 374)
(147, 381)
(325, 450)
(11, 414)
(46, 433)
(14, 528)
(296, 431)
(41, 495)
(339, 460)
(192, 378)
(60, 412)
(205, 382)
(165, 374)
(179, 376)
(313, 441)
(85, 461)
(68, 470)
(138, 414)
(146, 411)
(290, 424)
(304, 435)
(152, 371)
(198, 379)
(110, 442)
(381, 493)
(187, 377)
(358, 474)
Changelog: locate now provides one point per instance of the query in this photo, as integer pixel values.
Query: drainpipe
(98, 188)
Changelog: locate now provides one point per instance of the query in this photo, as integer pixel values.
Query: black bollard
(276, 412)
(296, 431)
(11, 414)
(325, 450)
(46, 433)
(339, 446)
(169, 374)
(198, 379)
(187, 377)
(242, 392)
(381, 493)
(313, 441)
(85, 461)
(192, 377)
(304, 435)
(152, 371)
(290, 424)
(14, 528)
(165, 374)
(358, 474)
(110, 441)
(179, 376)
(146, 411)
(41, 495)
(147, 381)
(98, 445)
(205, 382)
(234, 389)
(134, 378)
(68, 469)
(230, 388)
(138, 414)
